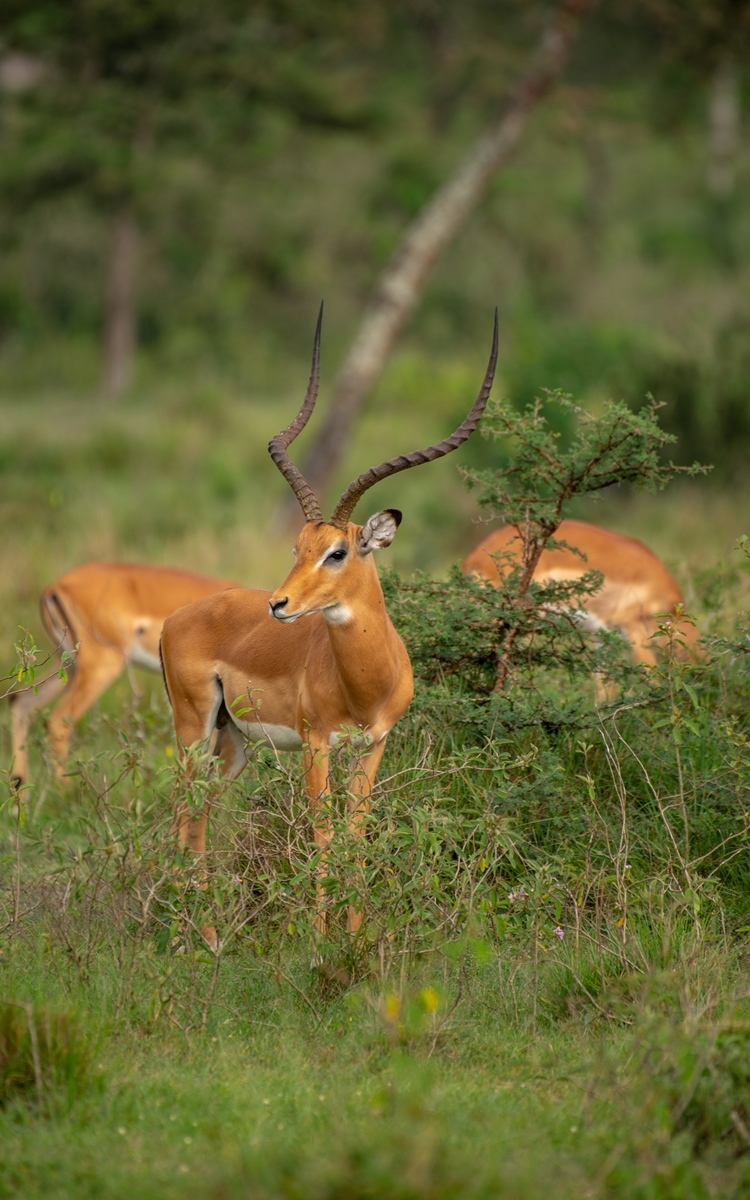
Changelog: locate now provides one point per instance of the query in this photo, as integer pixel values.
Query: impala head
(333, 557)
(329, 566)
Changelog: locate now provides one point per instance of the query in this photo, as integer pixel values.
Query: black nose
(279, 606)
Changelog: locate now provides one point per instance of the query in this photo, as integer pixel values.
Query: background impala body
(238, 665)
(113, 612)
(635, 589)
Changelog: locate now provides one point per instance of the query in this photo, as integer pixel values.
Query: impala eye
(336, 556)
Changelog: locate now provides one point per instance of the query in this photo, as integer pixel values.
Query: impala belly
(588, 622)
(283, 737)
(611, 601)
(603, 608)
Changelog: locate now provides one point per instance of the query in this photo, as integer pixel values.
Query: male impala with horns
(319, 656)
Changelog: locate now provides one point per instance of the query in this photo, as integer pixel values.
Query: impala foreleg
(640, 634)
(318, 787)
(358, 808)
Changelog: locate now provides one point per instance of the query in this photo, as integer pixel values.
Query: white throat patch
(337, 614)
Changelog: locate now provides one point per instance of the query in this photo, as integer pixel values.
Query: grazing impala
(243, 665)
(636, 588)
(113, 613)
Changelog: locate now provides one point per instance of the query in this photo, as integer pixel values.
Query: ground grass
(427, 1083)
(464, 1049)
(287, 1113)
(271, 1101)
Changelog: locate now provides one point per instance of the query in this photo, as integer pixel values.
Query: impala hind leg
(202, 723)
(638, 633)
(96, 668)
(215, 732)
(358, 808)
(196, 791)
(190, 819)
(317, 784)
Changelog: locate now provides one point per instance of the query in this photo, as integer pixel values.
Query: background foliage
(262, 150)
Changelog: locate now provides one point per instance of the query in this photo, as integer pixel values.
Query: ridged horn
(354, 493)
(278, 445)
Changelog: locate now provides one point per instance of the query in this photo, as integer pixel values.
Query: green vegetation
(550, 993)
(549, 989)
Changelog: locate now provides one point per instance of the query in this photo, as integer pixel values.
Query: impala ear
(379, 531)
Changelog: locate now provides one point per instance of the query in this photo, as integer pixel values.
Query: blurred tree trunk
(723, 129)
(401, 285)
(597, 189)
(119, 332)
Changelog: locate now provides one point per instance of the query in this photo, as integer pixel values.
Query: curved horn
(277, 445)
(355, 491)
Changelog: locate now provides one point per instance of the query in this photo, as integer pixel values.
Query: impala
(315, 660)
(113, 612)
(636, 590)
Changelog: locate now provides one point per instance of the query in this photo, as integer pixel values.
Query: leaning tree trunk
(119, 333)
(401, 285)
(723, 129)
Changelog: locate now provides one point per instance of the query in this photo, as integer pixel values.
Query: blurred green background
(236, 164)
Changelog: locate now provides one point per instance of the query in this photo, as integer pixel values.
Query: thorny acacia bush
(514, 656)
(581, 849)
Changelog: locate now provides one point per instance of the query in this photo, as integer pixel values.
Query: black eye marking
(336, 556)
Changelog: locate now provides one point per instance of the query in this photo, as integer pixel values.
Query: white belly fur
(283, 737)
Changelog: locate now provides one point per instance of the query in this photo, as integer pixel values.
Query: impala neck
(365, 646)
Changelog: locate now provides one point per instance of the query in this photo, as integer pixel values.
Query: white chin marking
(337, 614)
(287, 620)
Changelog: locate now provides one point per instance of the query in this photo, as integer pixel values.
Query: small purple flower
(559, 933)
(521, 894)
